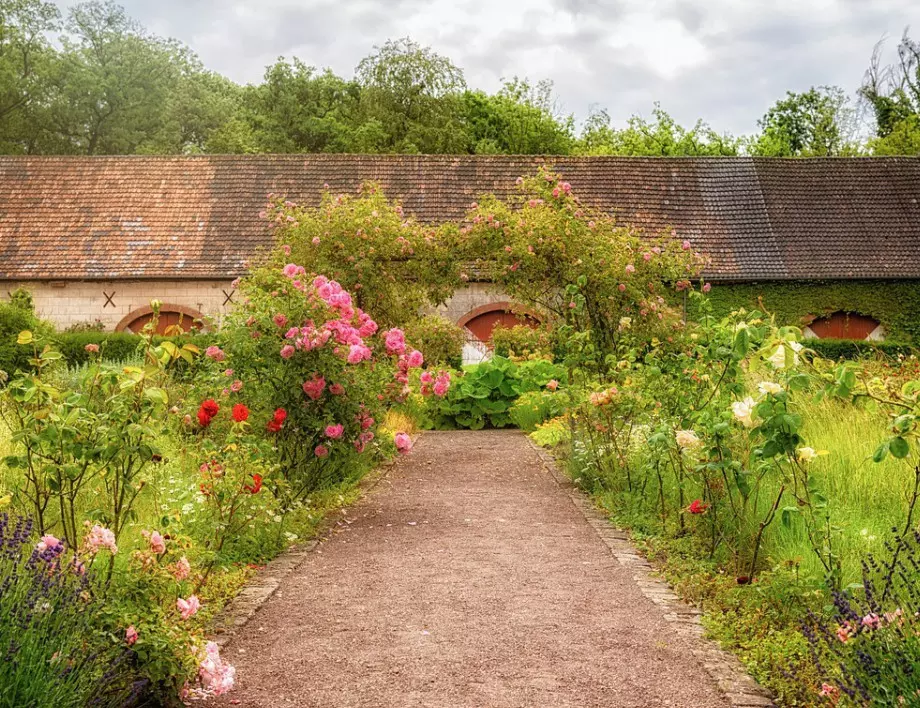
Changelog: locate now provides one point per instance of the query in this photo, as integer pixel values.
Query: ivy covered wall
(894, 303)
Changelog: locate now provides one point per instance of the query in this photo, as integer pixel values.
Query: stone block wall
(66, 303)
(469, 298)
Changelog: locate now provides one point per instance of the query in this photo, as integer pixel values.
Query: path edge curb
(734, 682)
(259, 589)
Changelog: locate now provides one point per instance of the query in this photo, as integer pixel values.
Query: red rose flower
(240, 412)
(280, 415)
(697, 507)
(273, 426)
(256, 485)
(210, 407)
(204, 420)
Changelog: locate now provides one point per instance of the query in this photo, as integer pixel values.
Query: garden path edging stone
(739, 688)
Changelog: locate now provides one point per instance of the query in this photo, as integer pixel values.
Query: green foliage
(523, 342)
(115, 346)
(894, 304)
(858, 348)
(816, 123)
(660, 137)
(534, 408)
(893, 93)
(13, 320)
(483, 394)
(440, 339)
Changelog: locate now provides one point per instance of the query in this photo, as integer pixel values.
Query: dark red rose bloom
(256, 485)
(204, 420)
(273, 426)
(280, 415)
(210, 407)
(697, 507)
(240, 412)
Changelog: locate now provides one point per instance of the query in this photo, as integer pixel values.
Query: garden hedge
(857, 348)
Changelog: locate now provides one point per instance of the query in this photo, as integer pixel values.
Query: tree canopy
(95, 82)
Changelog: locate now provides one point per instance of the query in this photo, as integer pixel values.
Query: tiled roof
(197, 217)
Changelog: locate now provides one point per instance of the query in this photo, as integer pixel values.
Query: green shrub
(116, 346)
(439, 338)
(536, 407)
(857, 348)
(13, 320)
(483, 394)
(523, 342)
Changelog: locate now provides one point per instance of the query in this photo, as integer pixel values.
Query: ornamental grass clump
(53, 651)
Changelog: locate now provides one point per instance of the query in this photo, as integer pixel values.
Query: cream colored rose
(768, 387)
(687, 440)
(806, 454)
(743, 411)
(778, 358)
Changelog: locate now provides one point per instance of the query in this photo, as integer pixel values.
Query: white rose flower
(778, 358)
(687, 439)
(766, 387)
(806, 454)
(743, 411)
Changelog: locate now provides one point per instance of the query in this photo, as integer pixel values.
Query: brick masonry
(65, 303)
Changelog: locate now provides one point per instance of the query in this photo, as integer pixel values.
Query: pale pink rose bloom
(403, 443)
(321, 451)
(130, 635)
(416, 359)
(92, 348)
(47, 541)
(287, 351)
(216, 676)
(100, 537)
(182, 568)
(427, 377)
(685, 245)
(552, 385)
(157, 543)
(215, 353)
(442, 385)
(335, 431)
(630, 268)
(189, 607)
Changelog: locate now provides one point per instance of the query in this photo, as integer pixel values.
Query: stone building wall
(66, 303)
(471, 297)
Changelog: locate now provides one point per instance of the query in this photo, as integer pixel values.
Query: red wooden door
(844, 325)
(483, 325)
(167, 320)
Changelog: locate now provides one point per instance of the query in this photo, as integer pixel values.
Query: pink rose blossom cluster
(403, 443)
(314, 387)
(216, 676)
(187, 608)
(215, 353)
(156, 541)
(395, 341)
(438, 384)
(98, 538)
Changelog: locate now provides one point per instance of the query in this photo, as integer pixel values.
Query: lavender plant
(53, 652)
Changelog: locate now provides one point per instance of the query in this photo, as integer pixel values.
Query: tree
(25, 60)
(520, 120)
(412, 97)
(297, 109)
(893, 93)
(816, 123)
(661, 136)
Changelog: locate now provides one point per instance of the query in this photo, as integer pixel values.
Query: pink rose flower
(337, 389)
(216, 676)
(416, 359)
(335, 432)
(181, 569)
(321, 451)
(314, 387)
(189, 607)
(630, 268)
(100, 537)
(685, 245)
(130, 636)
(395, 341)
(215, 353)
(236, 386)
(358, 353)
(552, 385)
(280, 319)
(92, 348)
(157, 542)
(403, 443)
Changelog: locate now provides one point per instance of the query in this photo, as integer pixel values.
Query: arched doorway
(482, 321)
(171, 316)
(846, 325)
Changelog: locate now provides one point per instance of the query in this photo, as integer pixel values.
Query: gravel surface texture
(466, 578)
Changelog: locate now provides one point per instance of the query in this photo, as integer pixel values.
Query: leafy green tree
(893, 93)
(411, 99)
(26, 57)
(297, 109)
(661, 136)
(815, 123)
(519, 120)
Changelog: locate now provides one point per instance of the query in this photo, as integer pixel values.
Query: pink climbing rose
(157, 542)
(334, 432)
(321, 451)
(358, 353)
(189, 607)
(403, 443)
(395, 341)
(314, 387)
(216, 676)
(181, 569)
(130, 635)
(214, 352)
(47, 542)
(287, 351)
(100, 537)
(416, 359)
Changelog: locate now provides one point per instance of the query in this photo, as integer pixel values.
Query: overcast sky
(724, 61)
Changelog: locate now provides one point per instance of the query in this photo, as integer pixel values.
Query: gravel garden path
(466, 578)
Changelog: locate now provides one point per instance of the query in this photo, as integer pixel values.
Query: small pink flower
(707, 287)
(216, 675)
(228, 373)
(870, 621)
(552, 385)
(189, 607)
(236, 386)
(336, 431)
(621, 287)
(181, 569)
(630, 268)
(47, 541)
(442, 384)
(314, 387)
(395, 341)
(321, 451)
(337, 389)
(358, 353)
(403, 443)
(92, 348)
(215, 353)
(280, 319)
(100, 537)
(286, 248)
(685, 245)
(157, 542)
(416, 359)
(130, 636)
